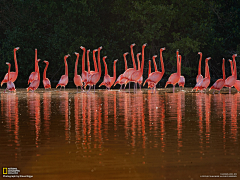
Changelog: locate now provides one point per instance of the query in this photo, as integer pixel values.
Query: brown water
(120, 135)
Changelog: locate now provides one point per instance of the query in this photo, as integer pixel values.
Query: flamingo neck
(36, 66)
(133, 59)
(9, 67)
(99, 62)
(66, 67)
(125, 61)
(235, 67)
(105, 64)
(83, 60)
(88, 62)
(143, 47)
(38, 71)
(178, 72)
(154, 62)
(223, 69)
(199, 65)
(207, 70)
(45, 71)
(138, 61)
(162, 64)
(180, 61)
(76, 64)
(15, 60)
(231, 68)
(95, 62)
(149, 67)
(114, 70)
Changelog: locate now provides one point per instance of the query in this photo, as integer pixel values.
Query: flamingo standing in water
(136, 75)
(64, 78)
(35, 83)
(34, 75)
(129, 71)
(206, 81)
(46, 81)
(230, 81)
(10, 84)
(181, 81)
(141, 78)
(175, 77)
(84, 73)
(13, 75)
(218, 85)
(94, 78)
(199, 77)
(123, 80)
(77, 78)
(156, 76)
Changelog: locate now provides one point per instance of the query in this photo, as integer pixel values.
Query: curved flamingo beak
(100, 48)
(235, 55)
(82, 47)
(145, 44)
(88, 50)
(163, 49)
(46, 62)
(133, 44)
(39, 60)
(7, 63)
(154, 56)
(116, 60)
(17, 48)
(104, 57)
(126, 53)
(76, 53)
(207, 59)
(199, 52)
(94, 50)
(139, 54)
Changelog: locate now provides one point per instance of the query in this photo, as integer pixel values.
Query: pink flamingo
(206, 81)
(35, 83)
(34, 75)
(141, 78)
(156, 76)
(230, 81)
(84, 73)
(94, 78)
(13, 75)
(218, 85)
(175, 77)
(123, 80)
(136, 75)
(64, 78)
(77, 78)
(129, 71)
(181, 81)
(109, 81)
(46, 81)
(10, 84)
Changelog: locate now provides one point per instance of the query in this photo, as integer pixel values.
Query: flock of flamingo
(91, 78)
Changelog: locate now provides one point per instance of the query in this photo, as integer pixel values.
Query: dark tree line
(58, 27)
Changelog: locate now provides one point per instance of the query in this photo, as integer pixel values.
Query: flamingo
(94, 78)
(141, 78)
(13, 75)
(129, 71)
(64, 78)
(175, 77)
(84, 73)
(218, 85)
(109, 81)
(199, 76)
(156, 76)
(34, 75)
(46, 81)
(35, 83)
(136, 75)
(230, 81)
(77, 78)
(10, 84)
(181, 82)
(123, 80)
(206, 81)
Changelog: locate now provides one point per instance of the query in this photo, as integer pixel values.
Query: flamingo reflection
(34, 112)
(47, 112)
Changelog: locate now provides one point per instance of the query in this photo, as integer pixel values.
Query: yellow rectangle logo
(4, 170)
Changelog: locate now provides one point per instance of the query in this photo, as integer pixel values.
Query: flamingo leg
(120, 88)
(64, 88)
(77, 89)
(94, 88)
(60, 88)
(219, 91)
(214, 91)
(173, 88)
(129, 86)
(229, 90)
(89, 89)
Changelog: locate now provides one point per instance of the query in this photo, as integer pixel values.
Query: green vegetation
(60, 27)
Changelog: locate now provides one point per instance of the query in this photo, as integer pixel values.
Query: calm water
(120, 135)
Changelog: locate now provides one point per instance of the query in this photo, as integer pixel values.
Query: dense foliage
(60, 27)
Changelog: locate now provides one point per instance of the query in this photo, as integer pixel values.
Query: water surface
(120, 135)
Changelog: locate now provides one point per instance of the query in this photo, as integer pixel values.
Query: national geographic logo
(13, 173)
